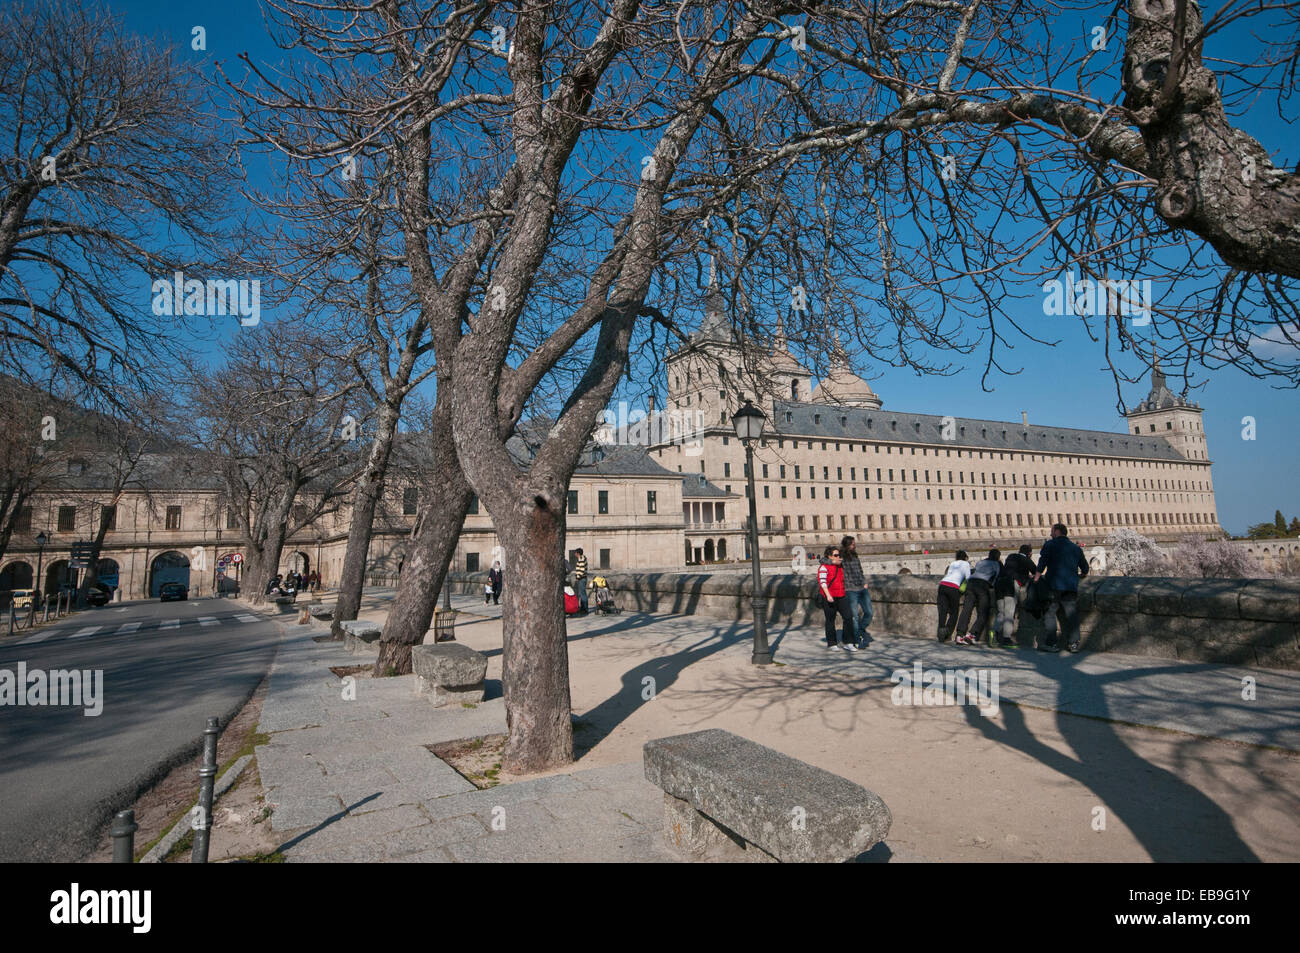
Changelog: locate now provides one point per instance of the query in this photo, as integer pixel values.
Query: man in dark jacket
(979, 598)
(855, 588)
(1061, 563)
(1010, 589)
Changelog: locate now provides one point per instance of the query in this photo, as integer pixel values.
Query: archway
(170, 566)
(708, 550)
(299, 561)
(722, 550)
(17, 575)
(688, 552)
(108, 573)
(57, 575)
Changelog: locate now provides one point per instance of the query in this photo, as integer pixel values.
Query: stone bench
(361, 638)
(728, 798)
(449, 672)
(323, 612)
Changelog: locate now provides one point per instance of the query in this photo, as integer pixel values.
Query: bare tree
(113, 171)
(29, 463)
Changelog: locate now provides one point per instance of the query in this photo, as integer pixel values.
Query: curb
(180, 828)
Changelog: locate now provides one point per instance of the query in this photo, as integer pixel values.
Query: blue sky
(1064, 385)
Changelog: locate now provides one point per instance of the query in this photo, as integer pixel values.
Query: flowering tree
(1129, 553)
(1213, 559)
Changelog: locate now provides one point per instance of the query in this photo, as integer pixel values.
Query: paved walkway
(351, 780)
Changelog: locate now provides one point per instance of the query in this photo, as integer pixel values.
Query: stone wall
(1237, 621)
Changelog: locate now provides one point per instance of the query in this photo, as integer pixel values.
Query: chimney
(1024, 417)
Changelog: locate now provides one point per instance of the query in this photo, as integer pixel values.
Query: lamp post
(748, 422)
(41, 540)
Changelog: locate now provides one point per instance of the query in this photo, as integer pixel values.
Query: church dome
(841, 386)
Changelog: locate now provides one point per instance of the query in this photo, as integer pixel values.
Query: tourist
(979, 600)
(494, 580)
(1010, 589)
(855, 589)
(950, 590)
(830, 584)
(580, 579)
(1061, 563)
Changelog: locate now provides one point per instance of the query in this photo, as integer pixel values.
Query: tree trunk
(446, 498)
(364, 502)
(535, 654)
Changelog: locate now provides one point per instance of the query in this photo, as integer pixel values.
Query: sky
(1064, 385)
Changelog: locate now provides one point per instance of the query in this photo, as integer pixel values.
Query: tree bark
(365, 499)
(535, 653)
(446, 496)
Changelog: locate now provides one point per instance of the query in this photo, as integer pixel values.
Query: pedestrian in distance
(951, 587)
(1010, 590)
(979, 600)
(495, 580)
(580, 579)
(1061, 563)
(855, 590)
(830, 586)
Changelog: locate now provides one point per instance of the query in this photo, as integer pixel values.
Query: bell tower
(1167, 415)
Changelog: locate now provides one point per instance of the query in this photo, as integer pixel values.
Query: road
(166, 667)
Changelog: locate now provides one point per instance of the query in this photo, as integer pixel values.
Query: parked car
(22, 598)
(99, 595)
(173, 590)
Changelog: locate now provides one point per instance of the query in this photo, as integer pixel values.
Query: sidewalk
(352, 780)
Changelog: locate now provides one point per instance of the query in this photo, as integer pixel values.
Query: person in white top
(949, 597)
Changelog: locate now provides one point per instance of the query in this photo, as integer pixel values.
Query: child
(487, 593)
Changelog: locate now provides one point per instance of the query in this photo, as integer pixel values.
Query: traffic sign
(237, 558)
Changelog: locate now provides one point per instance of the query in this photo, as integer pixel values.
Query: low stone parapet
(449, 673)
(729, 798)
(361, 637)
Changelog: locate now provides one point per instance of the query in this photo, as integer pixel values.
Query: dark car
(99, 595)
(173, 590)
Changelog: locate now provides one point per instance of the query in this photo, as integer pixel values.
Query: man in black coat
(1061, 563)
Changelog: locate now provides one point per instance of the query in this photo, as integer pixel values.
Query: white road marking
(248, 618)
(129, 627)
(91, 630)
(170, 624)
(208, 620)
(39, 638)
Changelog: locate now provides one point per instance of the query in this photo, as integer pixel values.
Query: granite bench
(449, 672)
(728, 798)
(321, 611)
(360, 637)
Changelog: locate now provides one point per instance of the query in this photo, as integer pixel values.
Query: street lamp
(748, 422)
(41, 540)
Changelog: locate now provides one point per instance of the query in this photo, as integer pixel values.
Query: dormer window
(794, 389)
(817, 419)
(893, 425)
(844, 420)
(789, 417)
(76, 467)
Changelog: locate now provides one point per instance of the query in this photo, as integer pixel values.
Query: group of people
(492, 588)
(992, 585)
(292, 582)
(980, 601)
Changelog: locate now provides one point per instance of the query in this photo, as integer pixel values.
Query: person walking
(830, 584)
(855, 590)
(1061, 562)
(1009, 590)
(494, 579)
(580, 579)
(949, 597)
(979, 599)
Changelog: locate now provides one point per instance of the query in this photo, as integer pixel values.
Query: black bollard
(207, 779)
(123, 834)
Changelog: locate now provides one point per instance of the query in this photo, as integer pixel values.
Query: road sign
(81, 556)
(237, 558)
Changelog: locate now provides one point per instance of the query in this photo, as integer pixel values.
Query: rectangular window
(783, 493)
(603, 561)
(573, 501)
(801, 522)
(766, 490)
(108, 518)
(817, 521)
(602, 501)
(651, 501)
(783, 471)
(767, 522)
(471, 562)
(796, 471)
(410, 500)
(785, 522)
(232, 519)
(173, 517)
(24, 522)
(67, 518)
(798, 493)
(765, 471)
(726, 469)
(473, 504)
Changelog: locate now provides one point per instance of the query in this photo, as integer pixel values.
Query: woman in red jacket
(830, 583)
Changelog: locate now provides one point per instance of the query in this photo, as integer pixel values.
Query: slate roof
(600, 459)
(971, 432)
(696, 487)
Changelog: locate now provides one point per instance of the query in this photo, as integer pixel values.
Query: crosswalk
(131, 628)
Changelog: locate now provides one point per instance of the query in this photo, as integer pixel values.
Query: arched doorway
(108, 573)
(17, 575)
(708, 550)
(299, 561)
(722, 550)
(57, 576)
(688, 552)
(170, 566)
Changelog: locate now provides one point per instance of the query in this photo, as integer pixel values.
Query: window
(108, 517)
(473, 504)
(232, 519)
(410, 500)
(173, 517)
(23, 524)
(766, 491)
(765, 471)
(471, 562)
(603, 561)
(783, 493)
(602, 501)
(817, 522)
(573, 501)
(767, 522)
(651, 501)
(726, 469)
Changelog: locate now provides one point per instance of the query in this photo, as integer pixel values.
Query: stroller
(602, 597)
